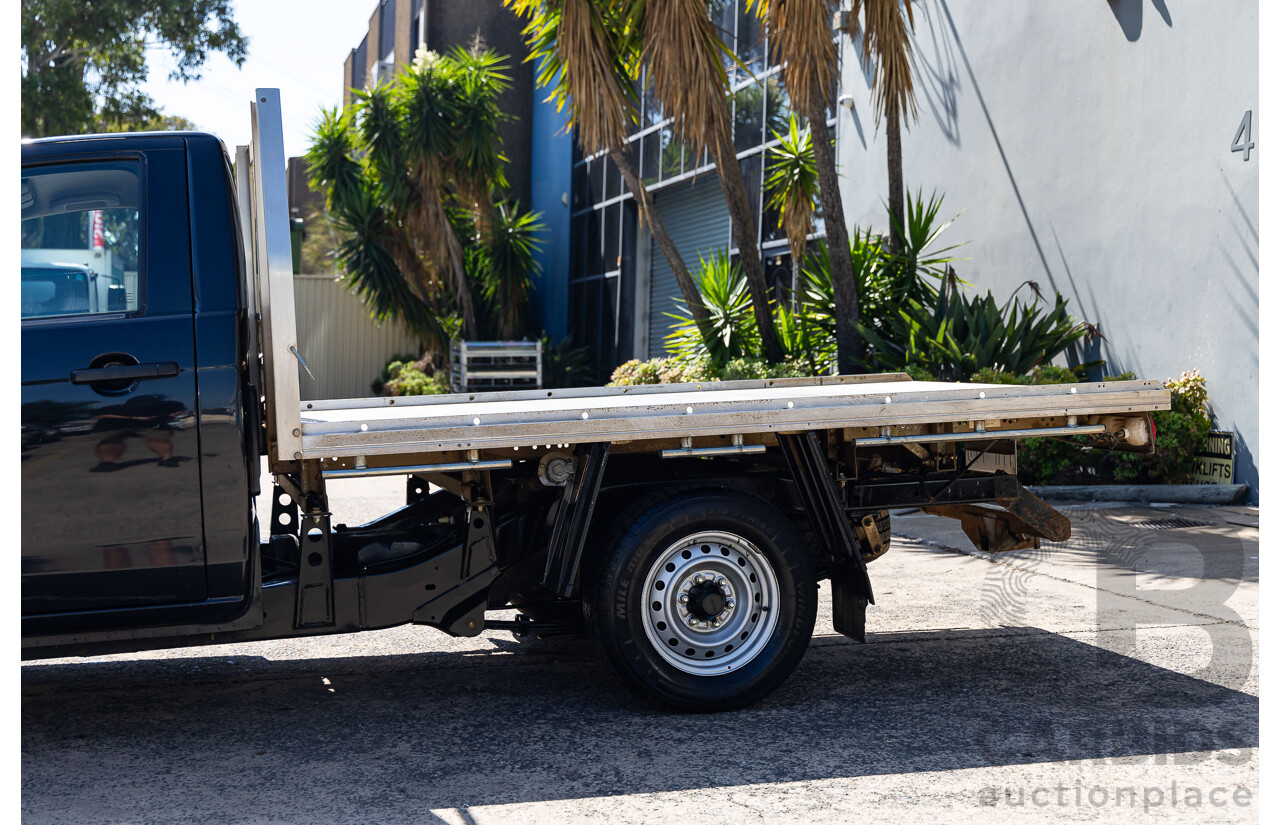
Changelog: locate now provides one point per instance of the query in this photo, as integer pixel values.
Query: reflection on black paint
(149, 419)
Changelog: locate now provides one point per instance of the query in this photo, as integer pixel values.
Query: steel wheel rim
(732, 570)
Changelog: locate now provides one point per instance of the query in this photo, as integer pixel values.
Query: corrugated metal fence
(340, 342)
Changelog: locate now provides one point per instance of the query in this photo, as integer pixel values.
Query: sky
(296, 47)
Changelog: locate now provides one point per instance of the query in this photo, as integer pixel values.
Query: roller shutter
(698, 222)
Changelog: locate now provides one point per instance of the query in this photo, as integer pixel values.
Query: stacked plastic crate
(480, 366)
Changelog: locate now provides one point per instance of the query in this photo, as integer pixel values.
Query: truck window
(80, 239)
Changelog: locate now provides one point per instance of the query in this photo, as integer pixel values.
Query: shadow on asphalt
(398, 735)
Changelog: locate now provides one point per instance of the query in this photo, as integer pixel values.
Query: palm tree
(397, 168)
(886, 42)
(800, 33)
(684, 54)
(377, 257)
(507, 264)
(588, 57)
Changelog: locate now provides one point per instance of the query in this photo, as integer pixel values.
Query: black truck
(683, 527)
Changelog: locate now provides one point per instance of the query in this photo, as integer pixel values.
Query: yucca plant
(371, 246)
(397, 167)
(791, 185)
(508, 245)
(807, 337)
(806, 334)
(885, 281)
(730, 330)
(954, 336)
(919, 232)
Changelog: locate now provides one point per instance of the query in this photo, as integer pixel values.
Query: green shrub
(695, 370)
(919, 373)
(406, 379)
(662, 371)
(680, 371)
(636, 372)
(385, 375)
(743, 368)
(1047, 374)
(1180, 435)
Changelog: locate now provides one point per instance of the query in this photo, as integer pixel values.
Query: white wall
(1088, 144)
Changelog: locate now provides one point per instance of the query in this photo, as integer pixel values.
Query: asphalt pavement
(1109, 678)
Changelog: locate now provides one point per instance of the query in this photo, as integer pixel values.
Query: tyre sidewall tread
(619, 635)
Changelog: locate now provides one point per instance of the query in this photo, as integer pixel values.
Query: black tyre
(705, 601)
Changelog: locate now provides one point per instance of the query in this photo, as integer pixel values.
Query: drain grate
(1169, 523)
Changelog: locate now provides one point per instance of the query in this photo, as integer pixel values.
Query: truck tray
(900, 410)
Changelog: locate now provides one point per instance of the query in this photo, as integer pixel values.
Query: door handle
(126, 372)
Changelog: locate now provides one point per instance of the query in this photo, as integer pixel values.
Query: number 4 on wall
(1244, 135)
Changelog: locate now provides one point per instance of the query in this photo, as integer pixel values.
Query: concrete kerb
(1170, 493)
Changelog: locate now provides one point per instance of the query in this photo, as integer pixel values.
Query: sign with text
(97, 239)
(1215, 464)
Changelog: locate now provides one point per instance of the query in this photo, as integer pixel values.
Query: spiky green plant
(954, 335)
(397, 167)
(508, 245)
(791, 185)
(730, 330)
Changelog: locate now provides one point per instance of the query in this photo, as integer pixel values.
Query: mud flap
(850, 585)
(848, 606)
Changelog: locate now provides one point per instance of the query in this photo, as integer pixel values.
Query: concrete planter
(1171, 493)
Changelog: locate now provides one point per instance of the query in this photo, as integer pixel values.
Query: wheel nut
(721, 581)
(715, 622)
(697, 578)
(683, 598)
(728, 602)
(693, 622)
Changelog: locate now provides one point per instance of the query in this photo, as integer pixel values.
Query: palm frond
(886, 44)
(684, 55)
(478, 79)
(509, 247)
(586, 55)
(333, 159)
(800, 36)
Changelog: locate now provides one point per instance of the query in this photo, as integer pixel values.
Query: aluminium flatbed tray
(354, 436)
(359, 428)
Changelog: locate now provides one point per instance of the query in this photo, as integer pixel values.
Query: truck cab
(138, 473)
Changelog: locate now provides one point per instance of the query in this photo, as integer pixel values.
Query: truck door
(111, 510)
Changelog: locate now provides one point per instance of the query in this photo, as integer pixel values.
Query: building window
(384, 70)
(358, 63)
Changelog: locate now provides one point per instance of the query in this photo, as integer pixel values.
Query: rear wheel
(705, 602)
